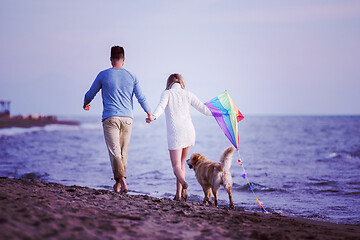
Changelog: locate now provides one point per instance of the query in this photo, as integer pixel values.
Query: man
(118, 88)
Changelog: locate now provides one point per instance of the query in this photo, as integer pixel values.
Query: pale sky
(274, 57)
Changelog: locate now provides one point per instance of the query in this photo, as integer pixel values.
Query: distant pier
(32, 120)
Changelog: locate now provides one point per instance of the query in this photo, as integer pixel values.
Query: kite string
(250, 185)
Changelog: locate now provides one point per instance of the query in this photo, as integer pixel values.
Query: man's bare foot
(176, 198)
(123, 185)
(117, 187)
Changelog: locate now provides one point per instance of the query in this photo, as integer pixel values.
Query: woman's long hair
(175, 78)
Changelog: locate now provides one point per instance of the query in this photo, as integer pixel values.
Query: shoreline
(37, 210)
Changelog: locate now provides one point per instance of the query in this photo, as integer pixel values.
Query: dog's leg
(216, 197)
(209, 198)
(227, 183)
(215, 190)
(230, 198)
(207, 192)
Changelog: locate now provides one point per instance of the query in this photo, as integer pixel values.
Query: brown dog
(211, 175)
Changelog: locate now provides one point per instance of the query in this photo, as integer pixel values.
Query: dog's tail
(225, 160)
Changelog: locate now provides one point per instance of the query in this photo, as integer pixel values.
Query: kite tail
(251, 187)
(225, 160)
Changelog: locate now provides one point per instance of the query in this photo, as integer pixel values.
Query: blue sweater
(118, 88)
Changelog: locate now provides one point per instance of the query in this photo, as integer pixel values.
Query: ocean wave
(328, 191)
(342, 155)
(354, 183)
(16, 131)
(333, 155)
(107, 187)
(6, 132)
(323, 183)
(90, 126)
(355, 154)
(60, 127)
(353, 193)
(254, 186)
(316, 216)
(152, 175)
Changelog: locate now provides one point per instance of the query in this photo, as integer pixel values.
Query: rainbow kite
(227, 116)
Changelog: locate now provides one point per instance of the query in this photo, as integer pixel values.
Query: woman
(176, 102)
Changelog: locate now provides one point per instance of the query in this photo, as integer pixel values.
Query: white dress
(176, 103)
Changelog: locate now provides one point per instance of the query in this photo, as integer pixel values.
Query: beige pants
(117, 132)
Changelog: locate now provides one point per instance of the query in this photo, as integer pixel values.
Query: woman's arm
(162, 104)
(198, 105)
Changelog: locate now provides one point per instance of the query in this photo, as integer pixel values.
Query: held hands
(150, 118)
(86, 107)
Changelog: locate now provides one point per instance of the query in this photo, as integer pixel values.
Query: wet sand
(38, 210)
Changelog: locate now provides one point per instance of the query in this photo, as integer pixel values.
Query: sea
(302, 166)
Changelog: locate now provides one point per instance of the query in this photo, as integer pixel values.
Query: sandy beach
(37, 210)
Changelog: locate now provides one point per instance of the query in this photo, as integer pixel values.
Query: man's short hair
(117, 53)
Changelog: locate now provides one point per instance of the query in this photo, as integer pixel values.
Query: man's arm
(141, 98)
(94, 89)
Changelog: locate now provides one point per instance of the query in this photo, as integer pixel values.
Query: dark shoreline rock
(32, 121)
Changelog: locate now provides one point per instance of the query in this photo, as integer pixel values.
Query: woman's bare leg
(178, 190)
(184, 154)
(176, 161)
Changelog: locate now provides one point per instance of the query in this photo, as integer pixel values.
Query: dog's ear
(200, 157)
(196, 157)
(192, 158)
